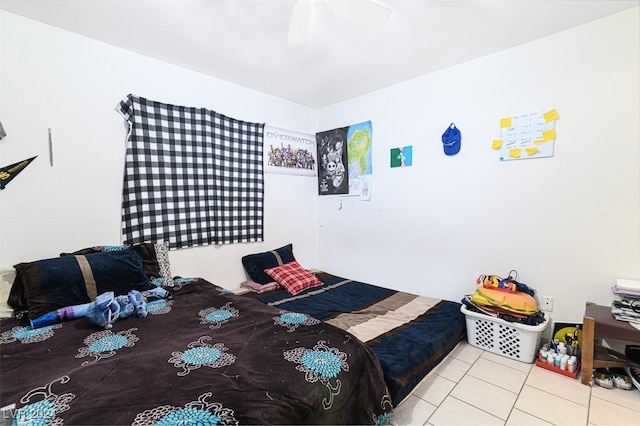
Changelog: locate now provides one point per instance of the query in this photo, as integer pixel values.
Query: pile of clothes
(505, 298)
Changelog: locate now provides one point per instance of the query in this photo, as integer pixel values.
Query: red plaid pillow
(293, 277)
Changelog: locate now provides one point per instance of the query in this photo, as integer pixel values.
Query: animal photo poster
(332, 160)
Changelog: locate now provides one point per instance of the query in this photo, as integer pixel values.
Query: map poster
(332, 158)
(289, 152)
(359, 142)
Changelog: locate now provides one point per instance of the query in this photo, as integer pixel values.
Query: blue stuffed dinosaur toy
(107, 308)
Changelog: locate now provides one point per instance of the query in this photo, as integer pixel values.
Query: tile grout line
(528, 373)
(524, 383)
(449, 392)
(589, 402)
(457, 383)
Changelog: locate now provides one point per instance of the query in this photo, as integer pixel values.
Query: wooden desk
(599, 323)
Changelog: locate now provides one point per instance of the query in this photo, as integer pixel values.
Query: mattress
(409, 334)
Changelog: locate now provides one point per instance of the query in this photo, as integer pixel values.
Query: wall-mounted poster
(289, 152)
(332, 158)
(359, 143)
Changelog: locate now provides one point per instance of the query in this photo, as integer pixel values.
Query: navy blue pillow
(55, 283)
(255, 264)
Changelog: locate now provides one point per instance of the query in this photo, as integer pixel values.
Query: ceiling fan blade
(300, 22)
(363, 10)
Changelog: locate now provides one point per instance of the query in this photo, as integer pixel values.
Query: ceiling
(245, 41)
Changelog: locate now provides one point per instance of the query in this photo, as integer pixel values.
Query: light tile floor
(475, 387)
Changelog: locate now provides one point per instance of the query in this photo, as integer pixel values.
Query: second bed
(409, 334)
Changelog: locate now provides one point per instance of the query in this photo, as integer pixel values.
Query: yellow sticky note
(496, 144)
(505, 122)
(550, 115)
(531, 151)
(515, 153)
(539, 141)
(549, 135)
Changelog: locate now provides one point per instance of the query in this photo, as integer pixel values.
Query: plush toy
(497, 283)
(107, 308)
(132, 303)
(508, 284)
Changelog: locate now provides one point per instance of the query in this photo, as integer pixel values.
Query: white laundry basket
(510, 339)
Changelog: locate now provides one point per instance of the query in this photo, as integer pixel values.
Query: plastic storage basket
(513, 340)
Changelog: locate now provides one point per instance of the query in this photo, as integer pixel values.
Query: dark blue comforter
(410, 334)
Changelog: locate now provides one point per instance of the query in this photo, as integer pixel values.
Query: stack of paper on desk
(627, 307)
(627, 287)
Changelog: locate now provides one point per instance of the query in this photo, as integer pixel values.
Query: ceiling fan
(363, 10)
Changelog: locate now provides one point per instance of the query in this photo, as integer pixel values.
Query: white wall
(569, 224)
(51, 78)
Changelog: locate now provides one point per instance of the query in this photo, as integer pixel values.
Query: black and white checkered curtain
(192, 176)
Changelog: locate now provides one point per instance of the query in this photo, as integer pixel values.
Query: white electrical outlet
(546, 303)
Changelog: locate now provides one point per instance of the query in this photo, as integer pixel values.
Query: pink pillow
(259, 288)
(293, 277)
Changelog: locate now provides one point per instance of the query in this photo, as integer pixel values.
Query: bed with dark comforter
(409, 334)
(205, 356)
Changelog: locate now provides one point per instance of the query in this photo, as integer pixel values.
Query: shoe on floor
(634, 374)
(620, 378)
(602, 378)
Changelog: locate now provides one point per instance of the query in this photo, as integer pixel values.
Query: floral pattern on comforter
(208, 357)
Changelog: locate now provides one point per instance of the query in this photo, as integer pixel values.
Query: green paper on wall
(402, 157)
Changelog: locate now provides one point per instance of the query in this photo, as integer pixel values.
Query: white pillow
(7, 275)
